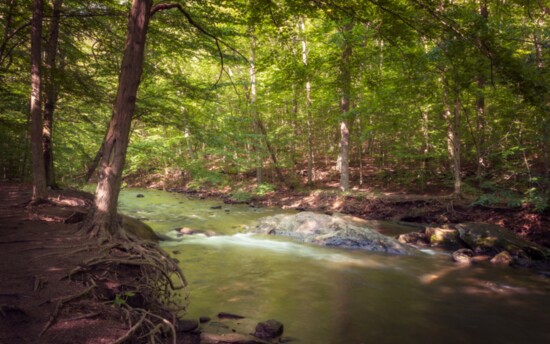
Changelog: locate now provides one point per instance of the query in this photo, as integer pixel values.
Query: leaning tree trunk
(102, 219)
(52, 91)
(39, 176)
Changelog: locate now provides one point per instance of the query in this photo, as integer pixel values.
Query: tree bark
(51, 92)
(480, 106)
(345, 89)
(310, 171)
(102, 218)
(453, 138)
(39, 176)
(252, 94)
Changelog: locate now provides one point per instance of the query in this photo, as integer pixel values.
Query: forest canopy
(409, 93)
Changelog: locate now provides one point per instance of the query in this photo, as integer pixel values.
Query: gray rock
(138, 228)
(448, 238)
(413, 238)
(503, 258)
(186, 325)
(229, 338)
(491, 239)
(336, 230)
(463, 256)
(269, 329)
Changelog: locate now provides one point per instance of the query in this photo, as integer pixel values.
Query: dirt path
(36, 253)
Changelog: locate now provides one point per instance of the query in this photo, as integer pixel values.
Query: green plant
(499, 197)
(538, 199)
(241, 196)
(122, 298)
(264, 188)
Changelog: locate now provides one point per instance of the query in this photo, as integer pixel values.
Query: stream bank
(427, 209)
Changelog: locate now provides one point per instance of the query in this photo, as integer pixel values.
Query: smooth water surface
(325, 295)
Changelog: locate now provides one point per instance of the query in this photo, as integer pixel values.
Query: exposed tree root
(141, 279)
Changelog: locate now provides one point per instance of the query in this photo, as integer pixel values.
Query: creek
(336, 296)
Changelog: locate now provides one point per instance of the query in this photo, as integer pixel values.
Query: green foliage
(263, 189)
(122, 298)
(538, 199)
(194, 120)
(535, 197)
(242, 196)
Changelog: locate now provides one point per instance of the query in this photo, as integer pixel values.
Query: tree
(102, 220)
(40, 193)
(310, 172)
(345, 98)
(51, 93)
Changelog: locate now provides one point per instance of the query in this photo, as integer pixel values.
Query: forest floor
(37, 251)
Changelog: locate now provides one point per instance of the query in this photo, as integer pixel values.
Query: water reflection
(325, 295)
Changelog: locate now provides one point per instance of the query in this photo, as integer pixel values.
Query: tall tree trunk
(310, 171)
(345, 89)
(102, 218)
(258, 124)
(480, 124)
(39, 176)
(539, 44)
(52, 92)
(425, 128)
(453, 137)
(480, 106)
(252, 95)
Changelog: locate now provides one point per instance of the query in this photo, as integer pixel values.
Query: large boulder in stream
(138, 228)
(491, 239)
(337, 230)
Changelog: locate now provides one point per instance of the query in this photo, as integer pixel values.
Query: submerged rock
(224, 315)
(229, 338)
(186, 325)
(190, 231)
(336, 230)
(268, 329)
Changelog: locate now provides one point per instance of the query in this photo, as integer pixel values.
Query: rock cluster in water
(225, 330)
(335, 230)
(478, 241)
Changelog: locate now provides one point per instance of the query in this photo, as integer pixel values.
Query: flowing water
(327, 295)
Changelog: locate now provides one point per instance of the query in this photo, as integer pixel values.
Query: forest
(420, 111)
(452, 94)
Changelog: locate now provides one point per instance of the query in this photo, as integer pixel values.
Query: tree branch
(163, 7)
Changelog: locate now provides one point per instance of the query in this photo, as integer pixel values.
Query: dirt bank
(37, 250)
